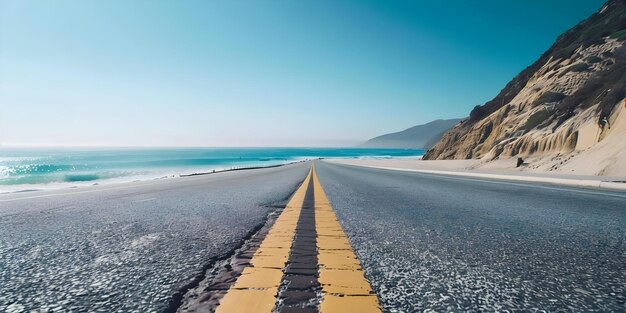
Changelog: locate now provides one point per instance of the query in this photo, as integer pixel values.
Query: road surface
(128, 247)
(424, 242)
(303, 264)
(437, 243)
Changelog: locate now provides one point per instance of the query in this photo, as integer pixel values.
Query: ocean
(24, 169)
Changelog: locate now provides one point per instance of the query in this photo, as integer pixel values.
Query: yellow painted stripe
(257, 287)
(344, 286)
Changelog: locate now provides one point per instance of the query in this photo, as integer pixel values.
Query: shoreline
(242, 169)
(67, 185)
(50, 169)
(61, 185)
(468, 168)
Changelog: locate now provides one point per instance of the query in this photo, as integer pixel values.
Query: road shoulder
(597, 182)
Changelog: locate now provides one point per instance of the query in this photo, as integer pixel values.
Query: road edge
(589, 183)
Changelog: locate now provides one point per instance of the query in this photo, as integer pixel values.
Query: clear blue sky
(258, 73)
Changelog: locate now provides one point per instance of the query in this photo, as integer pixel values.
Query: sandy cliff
(596, 151)
(563, 109)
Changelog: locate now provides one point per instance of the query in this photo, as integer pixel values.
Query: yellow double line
(344, 287)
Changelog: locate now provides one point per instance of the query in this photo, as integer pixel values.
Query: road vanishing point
(304, 264)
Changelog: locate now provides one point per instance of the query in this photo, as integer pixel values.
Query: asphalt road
(426, 242)
(128, 247)
(437, 243)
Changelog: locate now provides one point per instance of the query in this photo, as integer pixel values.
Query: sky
(258, 73)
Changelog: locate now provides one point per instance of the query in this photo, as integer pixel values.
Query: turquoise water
(33, 168)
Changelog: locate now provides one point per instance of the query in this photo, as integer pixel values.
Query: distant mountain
(420, 136)
(565, 102)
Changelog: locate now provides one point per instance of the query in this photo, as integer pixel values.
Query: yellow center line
(344, 286)
(256, 289)
(343, 283)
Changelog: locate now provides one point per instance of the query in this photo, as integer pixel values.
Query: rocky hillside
(563, 102)
(420, 136)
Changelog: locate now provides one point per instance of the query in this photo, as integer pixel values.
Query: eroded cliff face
(578, 81)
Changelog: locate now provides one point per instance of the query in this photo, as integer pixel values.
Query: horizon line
(27, 146)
